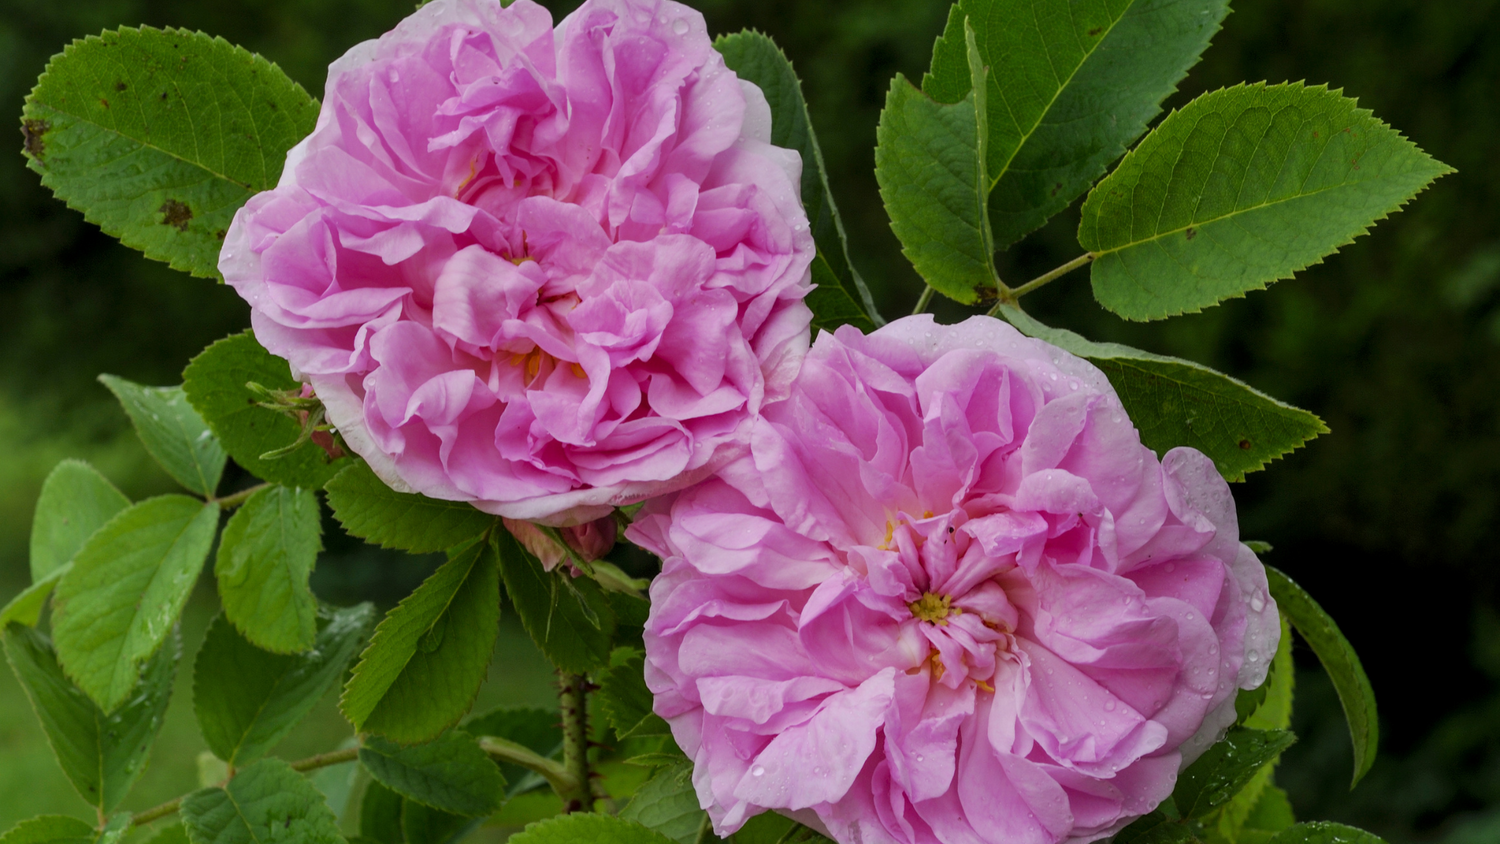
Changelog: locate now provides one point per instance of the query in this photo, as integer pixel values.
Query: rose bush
(950, 597)
(545, 271)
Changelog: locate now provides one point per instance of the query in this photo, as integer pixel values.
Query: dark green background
(1391, 520)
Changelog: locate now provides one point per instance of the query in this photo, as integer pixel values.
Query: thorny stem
(923, 301)
(1009, 295)
(575, 723)
(233, 500)
(311, 763)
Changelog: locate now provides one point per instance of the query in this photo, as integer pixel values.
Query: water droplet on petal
(1109, 706)
(757, 771)
(1257, 603)
(680, 26)
(1253, 656)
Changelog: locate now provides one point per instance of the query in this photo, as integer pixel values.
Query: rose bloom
(545, 271)
(950, 597)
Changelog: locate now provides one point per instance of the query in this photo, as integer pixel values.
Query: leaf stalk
(1010, 295)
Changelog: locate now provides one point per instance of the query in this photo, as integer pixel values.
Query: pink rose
(548, 272)
(590, 541)
(950, 597)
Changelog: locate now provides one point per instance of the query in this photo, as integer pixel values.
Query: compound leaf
(247, 699)
(1071, 86)
(1325, 832)
(215, 383)
(1339, 660)
(570, 619)
(369, 509)
(753, 56)
(102, 755)
(127, 586)
(668, 803)
(173, 432)
(76, 501)
(424, 665)
(1224, 769)
(627, 702)
(588, 827)
(266, 556)
(1175, 402)
(159, 136)
(930, 163)
(267, 801)
(49, 829)
(26, 607)
(1242, 187)
(451, 773)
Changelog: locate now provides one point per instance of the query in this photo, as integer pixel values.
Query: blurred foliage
(1391, 521)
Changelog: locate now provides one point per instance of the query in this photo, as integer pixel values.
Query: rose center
(931, 608)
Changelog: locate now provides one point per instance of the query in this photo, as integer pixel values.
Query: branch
(233, 500)
(505, 750)
(575, 723)
(311, 763)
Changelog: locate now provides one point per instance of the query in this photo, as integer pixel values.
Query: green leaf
(369, 509)
(587, 828)
(1225, 768)
(450, 773)
(753, 56)
(1071, 86)
(380, 815)
(1242, 187)
(266, 556)
(424, 665)
(1154, 828)
(1175, 402)
(76, 501)
(159, 136)
(246, 699)
(173, 432)
(764, 828)
(1271, 814)
(102, 755)
(1325, 832)
(174, 834)
(930, 163)
(1339, 660)
(570, 619)
(267, 801)
(626, 701)
(668, 803)
(215, 383)
(1275, 710)
(26, 608)
(531, 727)
(115, 829)
(423, 825)
(830, 304)
(49, 829)
(127, 586)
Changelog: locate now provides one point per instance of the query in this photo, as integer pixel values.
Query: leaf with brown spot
(175, 214)
(142, 143)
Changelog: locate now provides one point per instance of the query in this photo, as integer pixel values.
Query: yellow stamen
(986, 686)
(931, 608)
(578, 370)
(890, 534)
(937, 666)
